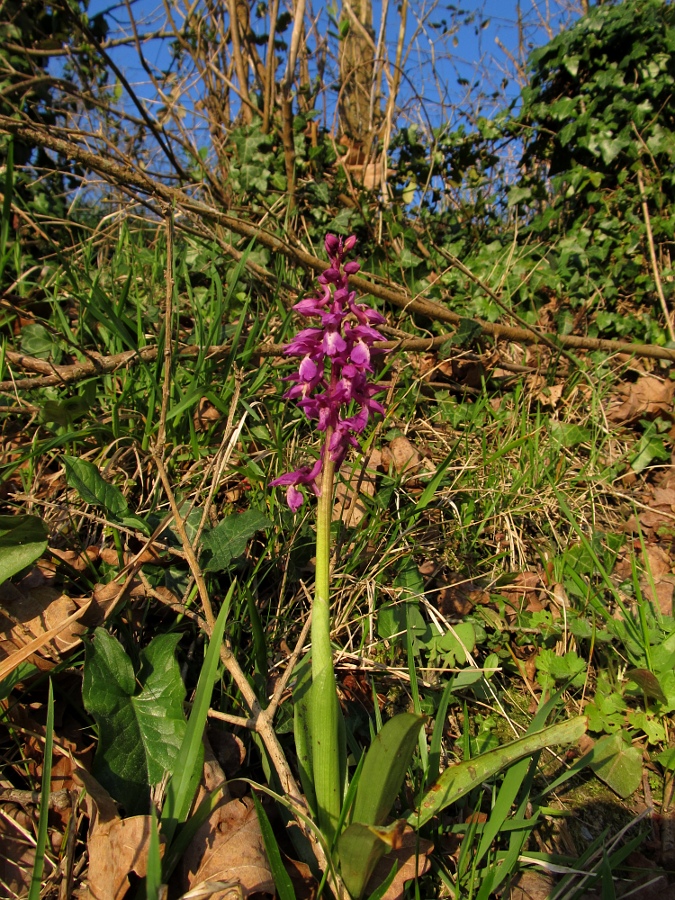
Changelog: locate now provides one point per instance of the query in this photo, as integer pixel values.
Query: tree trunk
(357, 62)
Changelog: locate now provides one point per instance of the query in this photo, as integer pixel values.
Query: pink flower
(335, 361)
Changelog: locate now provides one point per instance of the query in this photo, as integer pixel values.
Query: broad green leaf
(228, 539)
(456, 781)
(360, 848)
(384, 769)
(617, 763)
(566, 434)
(38, 342)
(86, 479)
(140, 718)
(667, 759)
(23, 540)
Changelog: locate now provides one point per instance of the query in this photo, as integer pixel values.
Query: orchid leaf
(456, 781)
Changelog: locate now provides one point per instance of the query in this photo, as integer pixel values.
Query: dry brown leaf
(78, 560)
(17, 855)
(413, 860)
(28, 614)
(648, 397)
(63, 626)
(401, 455)
(549, 395)
(531, 885)
(229, 848)
(658, 560)
(116, 849)
(348, 506)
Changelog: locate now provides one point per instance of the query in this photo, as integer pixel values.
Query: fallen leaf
(648, 397)
(531, 885)
(549, 395)
(400, 455)
(27, 650)
(116, 847)
(348, 506)
(413, 860)
(229, 848)
(17, 856)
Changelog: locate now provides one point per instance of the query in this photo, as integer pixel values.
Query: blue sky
(477, 54)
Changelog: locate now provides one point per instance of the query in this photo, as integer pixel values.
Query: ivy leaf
(617, 763)
(228, 539)
(140, 718)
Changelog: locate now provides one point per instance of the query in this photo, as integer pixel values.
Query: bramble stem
(324, 702)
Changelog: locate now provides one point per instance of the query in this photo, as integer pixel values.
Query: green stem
(324, 703)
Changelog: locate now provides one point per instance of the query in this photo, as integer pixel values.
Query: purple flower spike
(335, 362)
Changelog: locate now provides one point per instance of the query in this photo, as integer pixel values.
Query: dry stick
(268, 89)
(258, 721)
(290, 665)
(652, 257)
(260, 724)
(129, 177)
(168, 341)
(239, 60)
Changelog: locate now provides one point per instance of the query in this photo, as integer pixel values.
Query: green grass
(507, 484)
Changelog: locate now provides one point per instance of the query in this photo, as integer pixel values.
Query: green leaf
(667, 759)
(360, 848)
(341, 224)
(565, 434)
(86, 479)
(183, 784)
(35, 890)
(617, 763)
(282, 880)
(456, 781)
(228, 539)
(23, 540)
(38, 342)
(384, 769)
(140, 718)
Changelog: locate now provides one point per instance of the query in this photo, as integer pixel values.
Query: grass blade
(282, 880)
(43, 815)
(181, 789)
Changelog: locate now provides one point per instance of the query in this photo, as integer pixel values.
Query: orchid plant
(333, 387)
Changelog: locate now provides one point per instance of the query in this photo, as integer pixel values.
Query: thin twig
(652, 257)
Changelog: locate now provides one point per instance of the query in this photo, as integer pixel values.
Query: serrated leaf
(456, 781)
(228, 539)
(140, 718)
(617, 763)
(384, 769)
(23, 540)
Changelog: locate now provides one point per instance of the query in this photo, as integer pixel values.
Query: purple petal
(294, 498)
